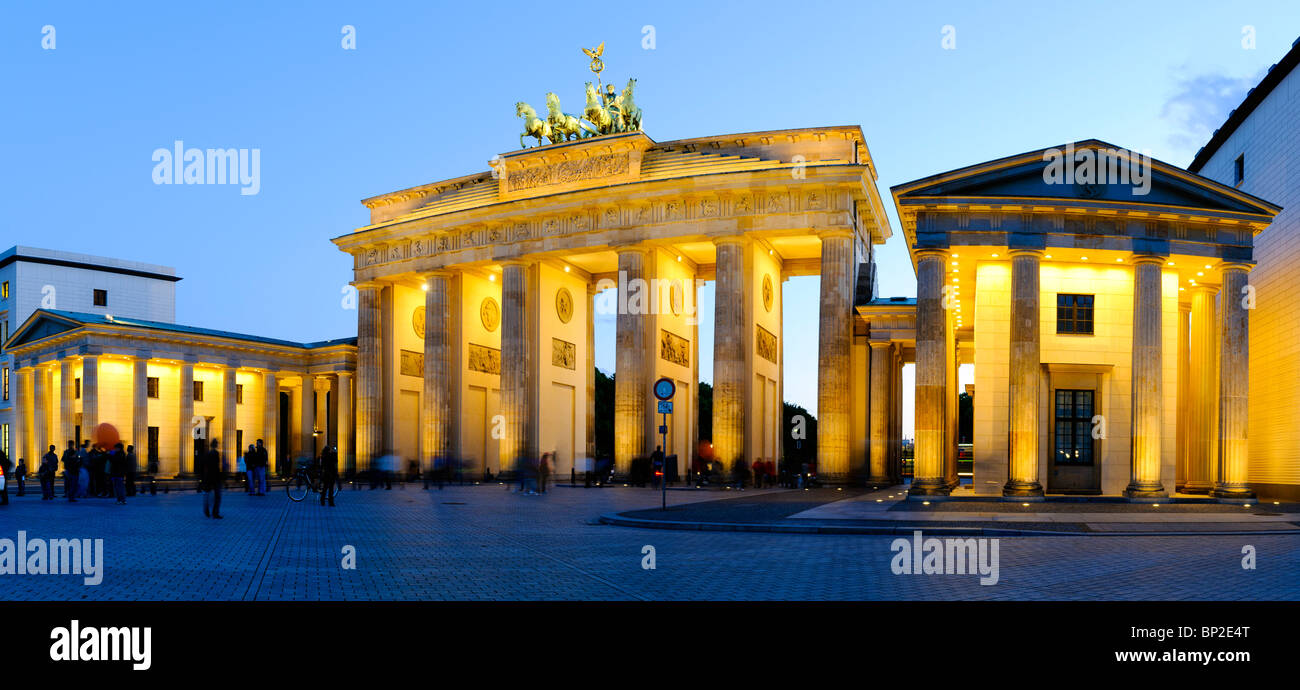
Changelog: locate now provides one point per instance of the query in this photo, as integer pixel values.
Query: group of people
(534, 476)
(88, 472)
(256, 462)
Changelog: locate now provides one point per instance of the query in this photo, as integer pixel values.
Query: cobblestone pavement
(485, 543)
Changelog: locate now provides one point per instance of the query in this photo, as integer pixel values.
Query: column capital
(1236, 266)
(835, 232)
(521, 262)
(1035, 252)
(367, 284)
(730, 239)
(1140, 259)
(880, 344)
(940, 253)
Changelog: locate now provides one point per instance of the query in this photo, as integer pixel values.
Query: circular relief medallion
(490, 313)
(564, 305)
(767, 292)
(417, 322)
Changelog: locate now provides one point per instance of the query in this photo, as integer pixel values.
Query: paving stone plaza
(484, 543)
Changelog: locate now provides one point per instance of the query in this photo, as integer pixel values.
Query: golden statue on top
(606, 112)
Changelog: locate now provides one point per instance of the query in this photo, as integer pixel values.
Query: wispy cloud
(1199, 105)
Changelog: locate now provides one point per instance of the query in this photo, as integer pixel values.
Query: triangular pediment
(40, 325)
(1088, 171)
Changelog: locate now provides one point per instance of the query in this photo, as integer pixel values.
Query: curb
(619, 520)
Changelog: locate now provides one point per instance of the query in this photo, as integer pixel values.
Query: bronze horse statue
(533, 126)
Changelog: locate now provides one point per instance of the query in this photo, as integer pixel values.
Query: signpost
(664, 390)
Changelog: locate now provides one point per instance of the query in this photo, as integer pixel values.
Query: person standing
(48, 468)
(130, 470)
(20, 476)
(210, 481)
(544, 471)
(83, 470)
(329, 474)
(71, 471)
(260, 463)
(116, 461)
(249, 459)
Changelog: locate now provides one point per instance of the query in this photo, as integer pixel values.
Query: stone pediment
(1100, 174)
(39, 326)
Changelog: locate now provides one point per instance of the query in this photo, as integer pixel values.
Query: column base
(1197, 488)
(1140, 490)
(930, 487)
(1022, 489)
(1232, 492)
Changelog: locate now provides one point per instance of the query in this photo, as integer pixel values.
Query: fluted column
(1234, 386)
(348, 462)
(896, 415)
(370, 430)
(307, 416)
(271, 419)
(591, 372)
(1022, 478)
(516, 359)
(630, 385)
(1146, 385)
(834, 351)
(22, 429)
(730, 343)
(1184, 395)
(881, 385)
(185, 458)
(228, 446)
(437, 425)
(931, 375)
(140, 411)
(89, 396)
(41, 416)
(1203, 405)
(67, 403)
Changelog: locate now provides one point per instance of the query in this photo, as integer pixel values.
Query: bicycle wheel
(297, 487)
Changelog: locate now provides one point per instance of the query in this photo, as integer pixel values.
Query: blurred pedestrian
(116, 461)
(130, 470)
(48, 468)
(544, 470)
(71, 471)
(20, 476)
(6, 469)
(260, 462)
(83, 470)
(329, 474)
(210, 481)
(249, 474)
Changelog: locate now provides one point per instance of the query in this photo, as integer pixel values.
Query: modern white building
(1257, 151)
(32, 279)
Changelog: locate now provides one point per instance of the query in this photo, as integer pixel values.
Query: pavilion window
(239, 394)
(1073, 442)
(76, 384)
(198, 391)
(101, 298)
(1074, 314)
(5, 384)
(151, 386)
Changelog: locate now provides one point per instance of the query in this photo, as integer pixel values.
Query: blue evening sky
(429, 94)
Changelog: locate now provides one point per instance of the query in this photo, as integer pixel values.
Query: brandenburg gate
(477, 295)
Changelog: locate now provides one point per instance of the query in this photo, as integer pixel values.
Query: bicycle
(307, 480)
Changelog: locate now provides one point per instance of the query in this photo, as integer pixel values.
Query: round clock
(665, 388)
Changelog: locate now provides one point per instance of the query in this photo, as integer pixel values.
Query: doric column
(1234, 385)
(344, 407)
(67, 403)
(140, 411)
(896, 415)
(882, 366)
(1147, 372)
(437, 425)
(931, 375)
(591, 372)
(370, 428)
(271, 419)
(1022, 475)
(1184, 395)
(516, 360)
(630, 385)
(834, 351)
(89, 396)
(730, 343)
(1203, 404)
(229, 448)
(185, 420)
(41, 417)
(22, 429)
(307, 416)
